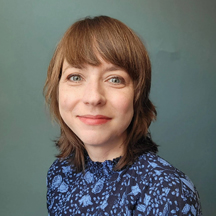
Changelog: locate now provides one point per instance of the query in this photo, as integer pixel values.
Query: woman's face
(96, 102)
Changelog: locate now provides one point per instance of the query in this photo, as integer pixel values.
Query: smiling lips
(94, 120)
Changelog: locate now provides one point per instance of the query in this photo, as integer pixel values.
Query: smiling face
(96, 102)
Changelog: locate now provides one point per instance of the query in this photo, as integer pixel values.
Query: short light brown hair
(118, 44)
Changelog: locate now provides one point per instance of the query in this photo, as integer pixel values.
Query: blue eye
(116, 80)
(75, 78)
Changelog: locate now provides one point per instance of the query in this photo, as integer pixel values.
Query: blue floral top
(151, 186)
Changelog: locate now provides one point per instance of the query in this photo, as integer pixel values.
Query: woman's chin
(94, 143)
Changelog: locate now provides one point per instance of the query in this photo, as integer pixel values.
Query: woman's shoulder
(156, 165)
(163, 183)
(58, 169)
(160, 171)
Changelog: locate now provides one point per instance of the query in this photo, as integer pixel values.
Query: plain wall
(180, 37)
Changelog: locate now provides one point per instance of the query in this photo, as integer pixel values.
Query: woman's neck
(100, 154)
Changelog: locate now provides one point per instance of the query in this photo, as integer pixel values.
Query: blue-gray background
(180, 36)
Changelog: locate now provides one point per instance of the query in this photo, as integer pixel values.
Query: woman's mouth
(94, 119)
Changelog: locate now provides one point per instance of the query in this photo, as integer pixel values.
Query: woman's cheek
(64, 101)
(126, 104)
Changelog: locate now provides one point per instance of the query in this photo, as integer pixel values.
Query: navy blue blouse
(151, 186)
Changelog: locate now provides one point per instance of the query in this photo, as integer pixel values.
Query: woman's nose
(94, 94)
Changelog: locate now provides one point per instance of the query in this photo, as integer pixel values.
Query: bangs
(79, 48)
(90, 39)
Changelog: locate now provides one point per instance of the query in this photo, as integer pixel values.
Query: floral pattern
(151, 186)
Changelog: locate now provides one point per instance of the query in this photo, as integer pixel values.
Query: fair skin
(96, 102)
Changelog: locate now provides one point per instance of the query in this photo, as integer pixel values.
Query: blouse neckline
(97, 167)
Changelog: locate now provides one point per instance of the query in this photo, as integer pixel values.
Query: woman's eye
(116, 80)
(75, 78)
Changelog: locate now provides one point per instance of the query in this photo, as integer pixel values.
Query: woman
(97, 87)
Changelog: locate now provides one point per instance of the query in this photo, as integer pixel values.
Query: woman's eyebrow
(112, 68)
(106, 69)
(70, 66)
